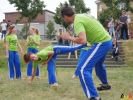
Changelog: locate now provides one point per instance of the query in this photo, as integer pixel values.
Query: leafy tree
(24, 32)
(57, 17)
(113, 9)
(79, 6)
(50, 31)
(28, 9)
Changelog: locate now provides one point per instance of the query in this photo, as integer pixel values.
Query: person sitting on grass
(48, 56)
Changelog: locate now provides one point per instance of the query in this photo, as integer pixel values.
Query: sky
(51, 5)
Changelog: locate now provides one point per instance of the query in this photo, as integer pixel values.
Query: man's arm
(80, 39)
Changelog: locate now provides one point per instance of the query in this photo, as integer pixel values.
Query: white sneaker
(112, 57)
(55, 85)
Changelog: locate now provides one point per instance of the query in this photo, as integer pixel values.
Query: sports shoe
(102, 87)
(93, 98)
(112, 57)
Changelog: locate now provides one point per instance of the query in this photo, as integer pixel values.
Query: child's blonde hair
(9, 31)
(35, 29)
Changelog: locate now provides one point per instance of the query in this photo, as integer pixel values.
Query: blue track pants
(57, 51)
(95, 56)
(29, 67)
(14, 62)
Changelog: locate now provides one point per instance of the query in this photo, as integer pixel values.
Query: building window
(121, 5)
(100, 7)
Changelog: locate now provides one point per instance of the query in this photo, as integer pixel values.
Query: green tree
(28, 9)
(79, 6)
(113, 9)
(58, 19)
(24, 32)
(50, 31)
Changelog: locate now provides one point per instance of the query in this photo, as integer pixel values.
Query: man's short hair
(123, 11)
(9, 20)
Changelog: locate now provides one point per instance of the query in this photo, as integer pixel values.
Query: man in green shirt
(48, 56)
(89, 30)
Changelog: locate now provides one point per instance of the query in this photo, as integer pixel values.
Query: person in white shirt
(3, 25)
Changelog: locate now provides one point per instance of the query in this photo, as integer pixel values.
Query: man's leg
(122, 30)
(86, 64)
(66, 49)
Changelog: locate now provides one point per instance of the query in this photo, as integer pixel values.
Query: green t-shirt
(32, 44)
(43, 55)
(13, 42)
(95, 32)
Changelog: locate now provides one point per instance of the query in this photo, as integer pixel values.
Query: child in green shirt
(48, 56)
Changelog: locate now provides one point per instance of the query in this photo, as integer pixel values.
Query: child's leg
(52, 70)
(10, 65)
(17, 65)
(29, 66)
(66, 49)
(38, 68)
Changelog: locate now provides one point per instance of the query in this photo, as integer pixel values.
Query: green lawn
(121, 80)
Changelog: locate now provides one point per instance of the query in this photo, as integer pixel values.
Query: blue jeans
(3, 34)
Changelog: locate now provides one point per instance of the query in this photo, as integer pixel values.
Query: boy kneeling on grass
(48, 56)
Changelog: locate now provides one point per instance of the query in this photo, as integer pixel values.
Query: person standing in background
(3, 25)
(33, 42)
(8, 24)
(12, 44)
(123, 21)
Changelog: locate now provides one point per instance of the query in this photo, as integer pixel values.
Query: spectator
(111, 28)
(115, 50)
(8, 24)
(3, 25)
(118, 29)
(123, 21)
(59, 38)
(71, 32)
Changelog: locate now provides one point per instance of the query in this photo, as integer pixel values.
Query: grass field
(121, 80)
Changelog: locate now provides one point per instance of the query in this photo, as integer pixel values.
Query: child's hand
(7, 57)
(44, 63)
(29, 82)
(74, 76)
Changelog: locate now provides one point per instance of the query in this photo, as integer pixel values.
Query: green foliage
(50, 31)
(113, 10)
(57, 17)
(79, 6)
(24, 32)
(28, 8)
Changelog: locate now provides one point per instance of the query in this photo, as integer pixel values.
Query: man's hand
(74, 76)
(66, 36)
